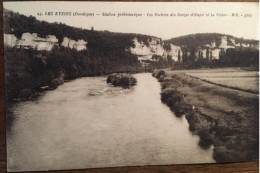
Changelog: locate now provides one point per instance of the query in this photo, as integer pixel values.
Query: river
(86, 123)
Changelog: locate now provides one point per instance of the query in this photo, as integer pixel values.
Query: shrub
(25, 93)
(159, 74)
(121, 79)
(174, 100)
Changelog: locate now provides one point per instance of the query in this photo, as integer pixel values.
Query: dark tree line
(240, 58)
(28, 69)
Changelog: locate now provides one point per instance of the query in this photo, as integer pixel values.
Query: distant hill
(17, 24)
(204, 39)
(211, 50)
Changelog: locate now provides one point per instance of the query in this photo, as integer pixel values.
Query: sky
(245, 25)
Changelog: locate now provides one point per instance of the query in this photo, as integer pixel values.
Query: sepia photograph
(116, 84)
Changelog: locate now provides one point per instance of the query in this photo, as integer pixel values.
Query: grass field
(235, 78)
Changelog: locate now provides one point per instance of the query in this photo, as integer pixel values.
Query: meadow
(235, 78)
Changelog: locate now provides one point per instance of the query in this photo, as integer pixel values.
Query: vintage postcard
(111, 84)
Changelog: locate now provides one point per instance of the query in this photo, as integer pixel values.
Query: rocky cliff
(78, 45)
(204, 46)
(36, 42)
(148, 49)
(174, 51)
(145, 51)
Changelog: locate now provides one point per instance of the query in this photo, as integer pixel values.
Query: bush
(25, 93)
(174, 100)
(159, 74)
(121, 79)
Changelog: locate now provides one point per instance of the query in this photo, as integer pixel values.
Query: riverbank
(114, 127)
(222, 117)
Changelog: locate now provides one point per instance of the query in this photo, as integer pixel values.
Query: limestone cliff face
(144, 51)
(174, 52)
(34, 41)
(238, 43)
(29, 40)
(10, 40)
(210, 50)
(225, 43)
(215, 53)
(149, 48)
(78, 45)
(213, 49)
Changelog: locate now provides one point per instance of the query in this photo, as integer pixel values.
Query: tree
(179, 56)
(207, 54)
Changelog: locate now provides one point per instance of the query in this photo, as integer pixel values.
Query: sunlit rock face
(78, 45)
(224, 43)
(233, 41)
(211, 45)
(246, 45)
(144, 51)
(175, 51)
(215, 53)
(10, 40)
(34, 41)
(204, 53)
(29, 40)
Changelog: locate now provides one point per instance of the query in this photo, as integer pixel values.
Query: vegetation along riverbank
(121, 79)
(224, 117)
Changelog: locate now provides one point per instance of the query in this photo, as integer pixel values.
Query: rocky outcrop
(224, 43)
(34, 41)
(148, 49)
(233, 41)
(144, 51)
(78, 45)
(206, 46)
(215, 53)
(10, 40)
(211, 49)
(175, 52)
(29, 40)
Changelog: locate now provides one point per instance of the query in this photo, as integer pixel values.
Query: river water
(86, 123)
